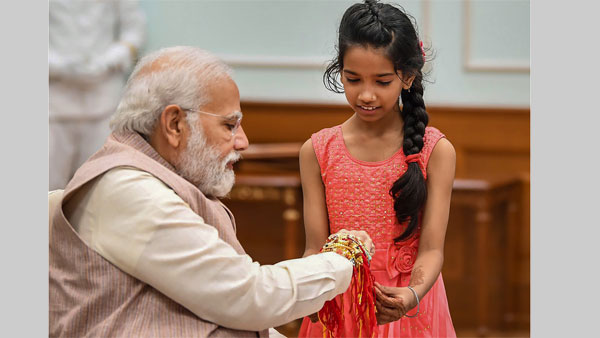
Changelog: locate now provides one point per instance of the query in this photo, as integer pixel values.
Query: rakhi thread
(362, 307)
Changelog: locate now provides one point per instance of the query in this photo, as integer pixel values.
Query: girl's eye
(384, 83)
(352, 80)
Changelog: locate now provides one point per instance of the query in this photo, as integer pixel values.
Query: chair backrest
(54, 198)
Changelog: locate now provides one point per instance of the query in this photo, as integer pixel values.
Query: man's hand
(363, 236)
(392, 302)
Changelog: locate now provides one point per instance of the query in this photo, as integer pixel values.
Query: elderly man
(141, 246)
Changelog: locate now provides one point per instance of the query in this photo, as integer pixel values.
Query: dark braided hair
(377, 25)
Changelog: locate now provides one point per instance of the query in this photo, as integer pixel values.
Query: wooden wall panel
(490, 142)
(279, 122)
(472, 130)
(522, 315)
(482, 163)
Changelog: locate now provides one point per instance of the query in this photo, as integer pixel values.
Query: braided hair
(377, 25)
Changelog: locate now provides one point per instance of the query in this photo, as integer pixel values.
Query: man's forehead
(222, 95)
(221, 83)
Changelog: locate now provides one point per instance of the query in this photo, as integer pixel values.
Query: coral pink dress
(357, 197)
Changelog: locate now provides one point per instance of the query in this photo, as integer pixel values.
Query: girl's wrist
(412, 312)
(415, 296)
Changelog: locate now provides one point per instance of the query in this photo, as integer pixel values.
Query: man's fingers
(370, 245)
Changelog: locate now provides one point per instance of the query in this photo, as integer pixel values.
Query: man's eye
(230, 126)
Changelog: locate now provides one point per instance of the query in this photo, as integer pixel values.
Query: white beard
(199, 164)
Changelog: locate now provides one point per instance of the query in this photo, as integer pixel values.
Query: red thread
(362, 305)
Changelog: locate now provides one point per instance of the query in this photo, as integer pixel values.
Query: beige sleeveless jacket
(90, 297)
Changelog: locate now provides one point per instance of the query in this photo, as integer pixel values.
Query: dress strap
(321, 142)
(430, 139)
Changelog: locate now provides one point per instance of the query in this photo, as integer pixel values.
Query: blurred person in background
(92, 47)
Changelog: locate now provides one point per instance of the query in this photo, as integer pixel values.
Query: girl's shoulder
(433, 132)
(326, 142)
(325, 135)
(430, 139)
(327, 132)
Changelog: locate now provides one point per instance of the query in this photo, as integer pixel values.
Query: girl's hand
(392, 302)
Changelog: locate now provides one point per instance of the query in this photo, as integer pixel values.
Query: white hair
(175, 75)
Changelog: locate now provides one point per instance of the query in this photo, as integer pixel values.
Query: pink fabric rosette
(401, 257)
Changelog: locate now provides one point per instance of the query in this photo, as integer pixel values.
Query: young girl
(384, 171)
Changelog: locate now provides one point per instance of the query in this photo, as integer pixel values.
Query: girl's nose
(366, 96)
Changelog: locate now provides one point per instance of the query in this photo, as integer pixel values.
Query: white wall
(278, 49)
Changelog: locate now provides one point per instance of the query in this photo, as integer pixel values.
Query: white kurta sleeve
(136, 222)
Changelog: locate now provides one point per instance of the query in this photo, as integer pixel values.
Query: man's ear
(171, 125)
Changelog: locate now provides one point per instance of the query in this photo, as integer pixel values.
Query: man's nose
(240, 140)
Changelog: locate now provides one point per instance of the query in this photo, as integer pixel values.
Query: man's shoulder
(125, 171)
(130, 180)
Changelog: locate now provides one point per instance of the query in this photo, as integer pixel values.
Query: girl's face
(371, 85)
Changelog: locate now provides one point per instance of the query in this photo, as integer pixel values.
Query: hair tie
(413, 158)
(422, 50)
(416, 158)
